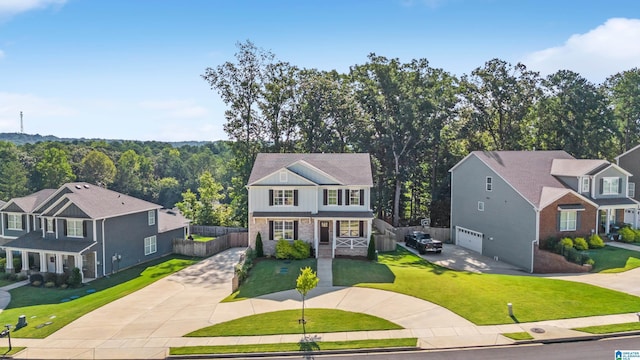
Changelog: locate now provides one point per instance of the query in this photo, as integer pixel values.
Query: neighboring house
(81, 225)
(630, 161)
(323, 199)
(503, 203)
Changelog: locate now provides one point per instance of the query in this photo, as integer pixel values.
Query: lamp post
(7, 332)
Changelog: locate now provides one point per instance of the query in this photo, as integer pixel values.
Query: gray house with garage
(504, 203)
(323, 199)
(86, 226)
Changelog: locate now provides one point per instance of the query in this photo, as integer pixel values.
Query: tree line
(415, 120)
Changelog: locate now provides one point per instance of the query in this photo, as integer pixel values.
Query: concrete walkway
(145, 324)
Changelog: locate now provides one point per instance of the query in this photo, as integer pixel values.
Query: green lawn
(286, 322)
(269, 275)
(201, 238)
(482, 298)
(523, 335)
(4, 350)
(46, 313)
(608, 329)
(300, 346)
(611, 259)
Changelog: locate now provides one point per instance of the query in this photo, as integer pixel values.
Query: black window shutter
(270, 230)
(24, 221)
(339, 196)
(559, 220)
(6, 221)
(270, 197)
(54, 225)
(295, 230)
(361, 232)
(578, 221)
(84, 229)
(325, 196)
(361, 196)
(347, 197)
(338, 227)
(65, 227)
(601, 186)
(295, 197)
(619, 185)
(46, 225)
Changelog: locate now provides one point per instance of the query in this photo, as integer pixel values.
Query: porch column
(316, 243)
(333, 240)
(9, 265)
(25, 261)
(607, 223)
(59, 269)
(369, 230)
(43, 262)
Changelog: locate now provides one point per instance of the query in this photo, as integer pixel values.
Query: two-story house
(323, 199)
(81, 225)
(504, 203)
(630, 161)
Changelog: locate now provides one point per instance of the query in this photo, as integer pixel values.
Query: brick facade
(549, 218)
(305, 232)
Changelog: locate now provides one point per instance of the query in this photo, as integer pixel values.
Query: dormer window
(610, 186)
(585, 185)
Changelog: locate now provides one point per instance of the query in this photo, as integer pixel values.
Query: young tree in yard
(307, 280)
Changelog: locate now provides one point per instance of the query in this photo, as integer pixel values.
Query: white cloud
(176, 109)
(1, 54)
(604, 51)
(33, 107)
(10, 8)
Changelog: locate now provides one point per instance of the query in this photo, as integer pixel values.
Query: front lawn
(48, 310)
(270, 275)
(611, 259)
(202, 238)
(286, 322)
(482, 298)
(612, 328)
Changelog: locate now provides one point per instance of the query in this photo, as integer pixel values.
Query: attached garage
(469, 239)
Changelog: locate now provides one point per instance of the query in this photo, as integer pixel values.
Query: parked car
(423, 242)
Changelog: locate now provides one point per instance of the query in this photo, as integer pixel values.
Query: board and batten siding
(631, 163)
(610, 172)
(351, 207)
(311, 174)
(508, 222)
(259, 198)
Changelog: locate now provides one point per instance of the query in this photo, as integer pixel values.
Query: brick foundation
(548, 263)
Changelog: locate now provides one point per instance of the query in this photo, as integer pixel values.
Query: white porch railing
(351, 242)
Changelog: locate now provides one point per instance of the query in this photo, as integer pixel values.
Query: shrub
(75, 278)
(595, 242)
(13, 277)
(62, 278)
(371, 250)
(50, 284)
(36, 283)
(259, 246)
(549, 244)
(300, 250)
(580, 243)
(564, 245)
(17, 264)
(3, 264)
(64, 286)
(637, 238)
(22, 277)
(49, 277)
(627, 234)
(590, 262)
(283, 249)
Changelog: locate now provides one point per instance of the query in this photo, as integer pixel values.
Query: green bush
(580, 243)
(595, 242)
(627, 234)
(3, 264)
(17, 264)
(283, 249)
(62, 279)
(549, 244)
(590, 262)
(564, 245)
(36, 283)
(75, 278)
(300, 250)
(371, 250)
(50, 284)
(637, 238)
(259, 246)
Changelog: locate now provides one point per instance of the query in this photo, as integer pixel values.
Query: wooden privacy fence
(208, 248)
(214, 230)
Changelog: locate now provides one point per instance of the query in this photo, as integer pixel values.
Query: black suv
(422, 242)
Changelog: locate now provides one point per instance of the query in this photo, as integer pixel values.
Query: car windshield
(420, 236)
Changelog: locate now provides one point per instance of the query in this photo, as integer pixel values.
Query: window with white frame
(49, 225)
(283, 197)
(480, 205)
(585, 184)
(610, 186)
(151, 215)
(150, 245)
(349, 228)
(332, 197)
(631, 190)
(14, 221)
(489, 183)
(354, 197)
(74, 228)
(283, 230)
(568, 220)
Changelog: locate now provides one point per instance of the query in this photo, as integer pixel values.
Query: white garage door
(469, 239)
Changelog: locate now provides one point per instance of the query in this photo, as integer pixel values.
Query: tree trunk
(396, 196)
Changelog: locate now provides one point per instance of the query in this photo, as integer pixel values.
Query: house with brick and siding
(630, 161)
(323, 199)
(504, 203)
(86, 226)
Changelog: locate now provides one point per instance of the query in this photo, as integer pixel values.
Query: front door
(324, 232)
(51, 264)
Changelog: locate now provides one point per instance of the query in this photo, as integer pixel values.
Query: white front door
(51, 263)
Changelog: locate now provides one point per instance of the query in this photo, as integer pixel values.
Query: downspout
(451, 227)
(537, 238)
(104, 269)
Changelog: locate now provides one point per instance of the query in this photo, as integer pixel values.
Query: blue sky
(130, 69)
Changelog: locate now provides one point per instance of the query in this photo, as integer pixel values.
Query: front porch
(611, 216)
(341, 237)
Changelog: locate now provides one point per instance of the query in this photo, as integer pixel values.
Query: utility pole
(21, 124)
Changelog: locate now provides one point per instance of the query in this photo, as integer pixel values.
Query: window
(283, 176)
(480, 205)
(568, 220)
(14, 221)
(150, 245)
(585, 184)
(152, 217)
(283, 197)
(332, 197)
(489, 184)
(283, 230)
(354, 197)
(49, 225)
(610, 185)
(74, 228)
(631, 190)
(349, 228)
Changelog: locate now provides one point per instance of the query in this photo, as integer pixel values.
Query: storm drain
(537, 330)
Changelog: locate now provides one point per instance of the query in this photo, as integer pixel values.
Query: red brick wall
(549, 219)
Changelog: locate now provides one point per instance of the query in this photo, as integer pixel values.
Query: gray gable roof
(170, 220)
(577, 167)
(528, 172)
(98, 202)
(30, 202)
(348, 169)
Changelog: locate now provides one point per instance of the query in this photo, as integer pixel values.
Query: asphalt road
(579, 350)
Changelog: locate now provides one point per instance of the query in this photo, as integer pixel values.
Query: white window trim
(329, 197)
(480, 205)
(49, 225)
(276, 192)
(150, 245)
(151, 216)
(488, 185)
(631, 189)
(75, 228)
(567, 222)
(357, 197)
(282, 233)
(585, 185)
(610, 181)
(349, 225)
(17, 221)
